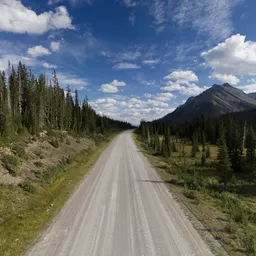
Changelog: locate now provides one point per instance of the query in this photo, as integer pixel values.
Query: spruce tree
(236, 148)
(157, 144)
(194, 149)
(166, 143)
(224, 164)
(31, 103)
(251, 150)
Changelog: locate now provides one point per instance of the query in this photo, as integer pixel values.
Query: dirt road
(121, 209)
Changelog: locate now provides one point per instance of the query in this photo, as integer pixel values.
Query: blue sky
(134, 59)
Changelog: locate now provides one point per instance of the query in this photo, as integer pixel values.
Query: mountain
(217, 100)
(252, 95)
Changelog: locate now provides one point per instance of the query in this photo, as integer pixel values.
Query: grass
(25, 211)
(229, 216)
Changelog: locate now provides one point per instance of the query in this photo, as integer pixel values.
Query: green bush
(249, 242)
(22, 130)
(10, 162)
(240, 215)
(28, 186)
(190, 194)
(231, 227)
(193, 179)
(52, 174)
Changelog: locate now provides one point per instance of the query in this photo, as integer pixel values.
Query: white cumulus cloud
(182, 82)
(38, 50)
(17, 18)
(132, 110)
(164, 96)
(48, 65)
(225, 78)
(234, 56)
(182, 77)
(249, 88)
(112, 87)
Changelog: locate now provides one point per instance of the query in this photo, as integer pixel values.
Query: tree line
(30, 103)
(235, 138)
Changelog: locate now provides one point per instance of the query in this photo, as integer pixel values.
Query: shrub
(52, 174)
(22, 130)
(230, 227)
(193, 179)
(190, 194)
(61, 138)
(54, 142)
(28, 186)
(213, 184)
(19, 150)
(240, 215)
(249, 242)
(10, 162)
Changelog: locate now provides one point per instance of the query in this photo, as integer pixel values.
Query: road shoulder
(207, 237)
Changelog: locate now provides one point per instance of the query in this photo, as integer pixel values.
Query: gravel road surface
(121, 209)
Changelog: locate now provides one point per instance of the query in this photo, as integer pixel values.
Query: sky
(133, 59)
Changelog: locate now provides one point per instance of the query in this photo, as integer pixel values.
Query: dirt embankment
(23, 159)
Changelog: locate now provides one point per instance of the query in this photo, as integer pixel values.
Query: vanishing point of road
(121, 209)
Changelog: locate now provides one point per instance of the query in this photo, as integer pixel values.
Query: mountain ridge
(217, 100)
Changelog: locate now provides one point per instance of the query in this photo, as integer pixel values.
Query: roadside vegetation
(26, 209)
(49, 139)
(215, 180)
